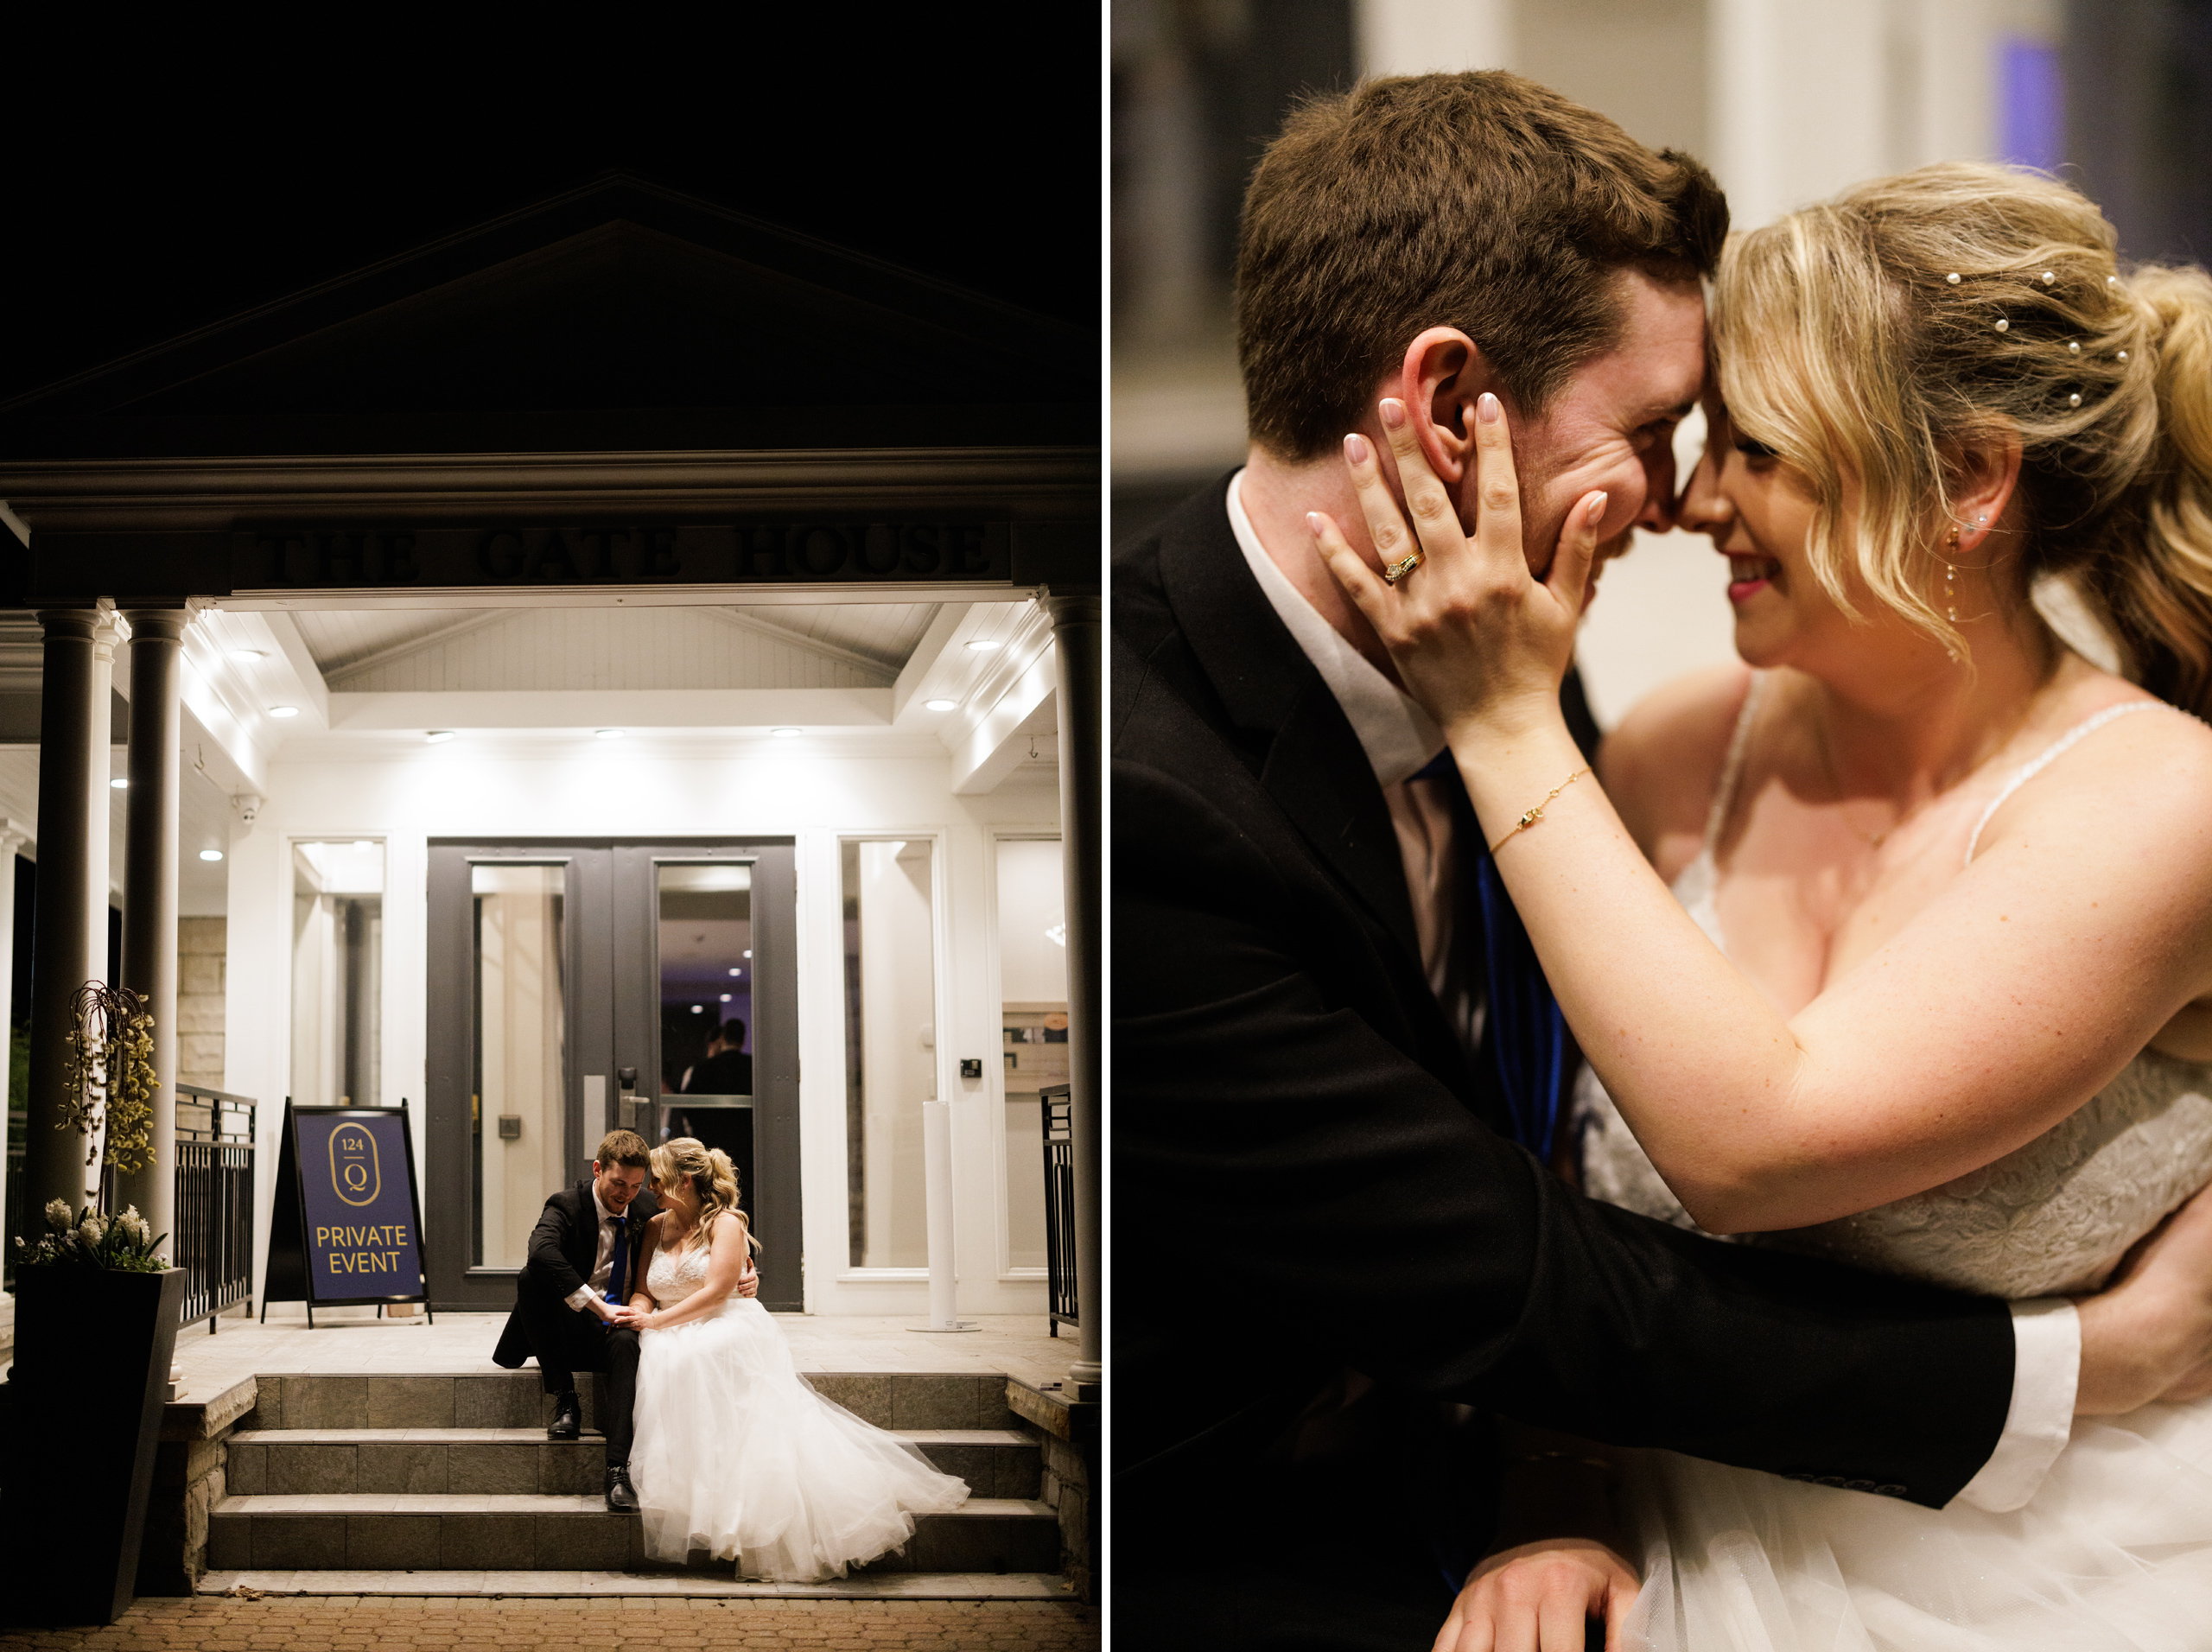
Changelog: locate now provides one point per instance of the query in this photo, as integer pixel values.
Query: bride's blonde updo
(1868, 338)
(712, 1178)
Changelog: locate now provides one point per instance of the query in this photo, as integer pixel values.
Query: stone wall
(189, 1466)
(202, 946)
(1067, 1430)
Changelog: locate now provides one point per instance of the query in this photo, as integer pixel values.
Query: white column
(108, 630)
(1415, 37)
(1076, 636)
(149, 876)
(54, 1159)
(13, 834)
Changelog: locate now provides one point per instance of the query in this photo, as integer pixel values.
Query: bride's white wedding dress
(2116, 1548)
(737, 1456)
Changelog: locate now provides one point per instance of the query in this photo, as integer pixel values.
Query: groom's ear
(1443, 375)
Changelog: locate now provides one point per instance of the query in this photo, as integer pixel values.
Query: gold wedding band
(1393, 572)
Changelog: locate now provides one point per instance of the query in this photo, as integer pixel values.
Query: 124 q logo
(356, 1175)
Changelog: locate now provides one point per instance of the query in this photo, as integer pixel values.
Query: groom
(572, 1301)
(1337, 1068)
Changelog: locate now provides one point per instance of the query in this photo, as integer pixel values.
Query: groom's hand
(2148, 1334)
(623, 1317)
(748, 1283)
(1540, 1596)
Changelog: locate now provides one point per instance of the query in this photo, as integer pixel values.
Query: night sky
(146, 198)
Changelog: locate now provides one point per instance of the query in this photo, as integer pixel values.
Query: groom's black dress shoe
(568, 1418)
(621, 1495)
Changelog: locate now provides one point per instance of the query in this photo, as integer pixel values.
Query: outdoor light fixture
(725, 998)
(283, 711)
(698, 1009)
(941, 705)
(119, 784)
(740, 972)
(249, 655)
(439, 736)
(211, 854)
(608, 734)
(982, 644)
(748, 953)
(783, 734)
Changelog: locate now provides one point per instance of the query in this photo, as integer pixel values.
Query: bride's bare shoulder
(1660, 765)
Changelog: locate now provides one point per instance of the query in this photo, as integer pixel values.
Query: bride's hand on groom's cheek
(2148, 1334)
(1476, 639)
(1538, 1597)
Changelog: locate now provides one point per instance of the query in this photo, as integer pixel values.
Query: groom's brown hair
(1482, 201)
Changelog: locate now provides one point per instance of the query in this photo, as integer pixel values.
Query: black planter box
(92, 1352)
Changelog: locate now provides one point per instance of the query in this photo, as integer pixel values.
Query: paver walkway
(344, 1623)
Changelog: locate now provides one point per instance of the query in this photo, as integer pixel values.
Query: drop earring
(1950, 594)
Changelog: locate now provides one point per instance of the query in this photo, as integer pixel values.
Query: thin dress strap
(2058, 748)
(1732, 766)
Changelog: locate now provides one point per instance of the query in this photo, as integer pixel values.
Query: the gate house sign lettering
(690, 554)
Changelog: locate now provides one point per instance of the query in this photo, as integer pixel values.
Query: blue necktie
(1528, 1033)
(614, 1274)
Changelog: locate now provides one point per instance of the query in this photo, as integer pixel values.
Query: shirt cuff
(2046, 1364)
(580, 1300)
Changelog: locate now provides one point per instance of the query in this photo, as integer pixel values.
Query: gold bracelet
(1537, 813)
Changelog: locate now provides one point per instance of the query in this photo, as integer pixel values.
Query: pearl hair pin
(2003, 326)
(1953, 278)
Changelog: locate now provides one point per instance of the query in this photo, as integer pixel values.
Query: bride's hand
(1478, 640)
(2148, 1334)
(1539, 1595)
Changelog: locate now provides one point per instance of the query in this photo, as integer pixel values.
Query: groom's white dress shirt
(602, 1265)
(1400, 739)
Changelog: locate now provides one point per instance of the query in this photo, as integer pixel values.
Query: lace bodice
(2051, 1217)
(674, 1275)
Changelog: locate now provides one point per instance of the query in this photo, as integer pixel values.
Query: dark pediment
(620, 316)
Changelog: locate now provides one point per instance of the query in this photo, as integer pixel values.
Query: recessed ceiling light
(748, 953)
(608, 734)
(119, 784)
(740, 972)
(941, 705)
(211, 854)
(725, 998)
(982, 644)
(784, 734)
(283, 711)
(698, 1009)
(249, 655)
(439, 736)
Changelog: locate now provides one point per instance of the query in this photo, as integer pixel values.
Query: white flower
(92, 1230)
(58, 1216)
(134, 1227)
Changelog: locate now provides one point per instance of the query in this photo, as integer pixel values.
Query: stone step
(544, 1532)
(903, 1399)
(706, 1586)
(994, 1462)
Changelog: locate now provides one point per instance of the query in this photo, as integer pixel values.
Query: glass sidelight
(703, 917)
(1033, 1018)
(517, 1099)
(890, 1049)
(337, 972)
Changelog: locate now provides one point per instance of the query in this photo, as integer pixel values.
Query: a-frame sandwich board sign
(347, 1228)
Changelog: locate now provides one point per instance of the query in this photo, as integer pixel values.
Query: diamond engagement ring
(1393, 572)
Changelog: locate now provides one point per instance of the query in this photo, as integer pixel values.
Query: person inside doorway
(726, 1069)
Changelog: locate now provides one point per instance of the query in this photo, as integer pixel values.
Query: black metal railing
(1059, 1205)
(213, 1238)
(212, 1234)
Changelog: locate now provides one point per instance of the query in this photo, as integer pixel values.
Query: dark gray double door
(555, 965)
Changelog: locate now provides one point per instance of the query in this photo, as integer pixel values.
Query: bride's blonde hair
(1870, 337)
(712, 1178)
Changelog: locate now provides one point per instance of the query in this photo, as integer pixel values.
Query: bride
(1931, 990)
(736, 1454)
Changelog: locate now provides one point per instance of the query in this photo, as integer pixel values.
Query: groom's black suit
(563, 1249)
(1327, 1189)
